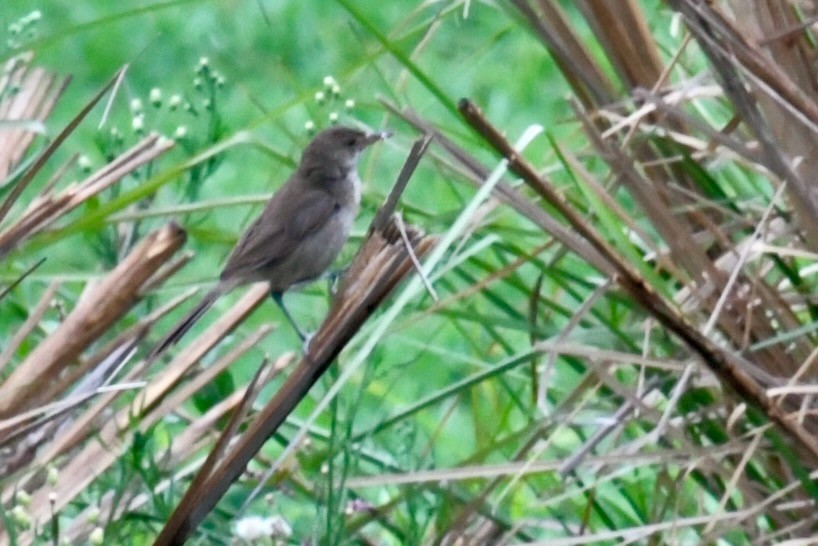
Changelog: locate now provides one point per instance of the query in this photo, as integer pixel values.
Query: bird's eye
(351, 141)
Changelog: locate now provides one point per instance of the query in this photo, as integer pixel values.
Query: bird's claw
(334, 277)
(305, 341)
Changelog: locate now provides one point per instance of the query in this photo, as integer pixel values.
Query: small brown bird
(301, 230)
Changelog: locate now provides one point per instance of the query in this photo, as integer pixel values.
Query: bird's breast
(316, 252)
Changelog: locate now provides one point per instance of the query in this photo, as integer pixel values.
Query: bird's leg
(277, 297)
(333, 277)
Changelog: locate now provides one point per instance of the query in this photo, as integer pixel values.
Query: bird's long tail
(181, 327)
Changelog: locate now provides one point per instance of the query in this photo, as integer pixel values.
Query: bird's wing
(269, 239)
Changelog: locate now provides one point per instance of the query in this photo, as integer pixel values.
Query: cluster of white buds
(328, 95)
(206, 80)
(252, 528)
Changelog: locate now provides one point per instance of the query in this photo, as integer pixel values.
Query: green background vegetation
(274, 56)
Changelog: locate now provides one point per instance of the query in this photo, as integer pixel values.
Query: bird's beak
(377, 136)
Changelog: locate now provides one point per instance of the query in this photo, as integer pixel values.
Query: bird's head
(340, 145)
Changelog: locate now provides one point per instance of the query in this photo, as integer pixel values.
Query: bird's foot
(306, 339)
(334, 278)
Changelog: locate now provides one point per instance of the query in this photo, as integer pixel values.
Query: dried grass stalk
(730, 368)
(27, 96)
(40, 376)
(49, 208)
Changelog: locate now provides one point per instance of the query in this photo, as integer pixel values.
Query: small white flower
(309, 126)
(197, 83)
(35, 15)
(349, 104)
(97, 536)
(84, 163)
(155, 97)
(180, 132)
(136, 106)
(256, 527)
(203, 61)
(336, 89)
(252, 528)
(329, 81)
(175, 101)
(138, 124)
(52, 497)
(333, 117)
(320, 97)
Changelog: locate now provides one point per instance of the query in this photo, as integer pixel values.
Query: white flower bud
(138, 124)
(174, 102)
(155, 97)
(84, 163)
(97, 536)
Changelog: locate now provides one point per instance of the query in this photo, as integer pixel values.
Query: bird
(301, 230)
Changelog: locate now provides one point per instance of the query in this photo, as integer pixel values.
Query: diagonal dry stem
(726, 366)
(49, 208)
(35, 379)
(27, 97)
(381, 262)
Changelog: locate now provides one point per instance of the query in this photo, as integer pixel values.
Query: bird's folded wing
(269, 240)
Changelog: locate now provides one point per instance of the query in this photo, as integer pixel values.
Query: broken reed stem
(46, 154)
(382, 261)
(37, 376)
(49, 208)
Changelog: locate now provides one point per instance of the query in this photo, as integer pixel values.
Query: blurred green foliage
(274, 56)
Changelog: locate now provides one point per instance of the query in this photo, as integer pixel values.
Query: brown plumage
(301, 230)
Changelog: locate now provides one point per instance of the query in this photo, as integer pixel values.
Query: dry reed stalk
(384, 259)
(38, 377)
(27, 96)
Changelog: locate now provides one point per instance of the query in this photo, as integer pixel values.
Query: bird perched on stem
(302, 229)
